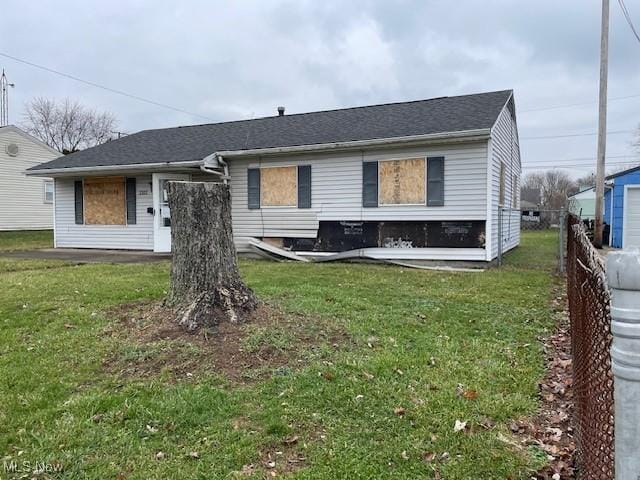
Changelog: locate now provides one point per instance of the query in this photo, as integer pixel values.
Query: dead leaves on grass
(551, 429)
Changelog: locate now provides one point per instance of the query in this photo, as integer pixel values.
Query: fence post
(561, 240)
(499, 236)
(623, 274)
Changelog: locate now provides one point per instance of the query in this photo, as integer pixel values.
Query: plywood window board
(104, 201)
(279, 186)
(402, 182)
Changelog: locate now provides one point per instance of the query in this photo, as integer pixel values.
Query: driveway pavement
(81, 255)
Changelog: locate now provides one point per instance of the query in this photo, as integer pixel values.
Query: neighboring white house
(411, 180)
(26, 203)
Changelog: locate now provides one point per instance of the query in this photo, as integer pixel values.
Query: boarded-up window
(279, 186)
(402, 182)
(104, 201)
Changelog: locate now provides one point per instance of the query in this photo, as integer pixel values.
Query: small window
(48, 191)
(514, 188)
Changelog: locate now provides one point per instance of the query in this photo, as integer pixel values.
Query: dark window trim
(131, 215)
(78, 186)
(436, 202)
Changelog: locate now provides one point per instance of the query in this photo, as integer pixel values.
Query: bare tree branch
(551, 188)
(66, 125)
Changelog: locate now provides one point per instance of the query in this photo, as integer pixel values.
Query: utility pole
(4, 99)
(602, 125)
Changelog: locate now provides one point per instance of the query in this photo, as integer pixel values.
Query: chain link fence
(516, 223)
(590, 344)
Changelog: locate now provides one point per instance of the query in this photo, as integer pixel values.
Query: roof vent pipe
(281, 111)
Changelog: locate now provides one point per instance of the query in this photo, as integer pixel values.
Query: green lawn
(373, 408)
(27, 240)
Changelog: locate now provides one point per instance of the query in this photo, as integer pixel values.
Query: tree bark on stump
(206, 288)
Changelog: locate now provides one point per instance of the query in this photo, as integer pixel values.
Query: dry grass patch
(270, 343)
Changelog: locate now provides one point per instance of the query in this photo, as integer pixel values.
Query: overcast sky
(241, 59)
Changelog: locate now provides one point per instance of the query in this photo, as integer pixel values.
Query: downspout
(225, 169)
(215, 159)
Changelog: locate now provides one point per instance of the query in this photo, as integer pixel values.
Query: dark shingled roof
(182, 144)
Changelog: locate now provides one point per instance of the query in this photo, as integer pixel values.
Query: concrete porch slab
(82, 255)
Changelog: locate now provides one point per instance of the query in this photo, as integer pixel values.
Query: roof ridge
(325, 111)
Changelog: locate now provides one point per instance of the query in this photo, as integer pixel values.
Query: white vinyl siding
(337, 193)
(22, 198)
(505, 151)
(133, 237)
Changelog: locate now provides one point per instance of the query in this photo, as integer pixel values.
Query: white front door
(162, 214)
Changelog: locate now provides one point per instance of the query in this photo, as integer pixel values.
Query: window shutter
(435, 181)
(131, 201)
(77, 185)
(370, 184)
(253, 188)
(304, 186)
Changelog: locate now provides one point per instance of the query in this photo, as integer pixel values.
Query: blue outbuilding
(622, 208)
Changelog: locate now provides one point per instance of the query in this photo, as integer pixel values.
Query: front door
(162, 214)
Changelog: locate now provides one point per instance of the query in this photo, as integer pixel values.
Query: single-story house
(26, 203)
(622, 208)
(583, 203)
(410, 180)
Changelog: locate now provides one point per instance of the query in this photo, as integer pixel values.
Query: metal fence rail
(590, 344)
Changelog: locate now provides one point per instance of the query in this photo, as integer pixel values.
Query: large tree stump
(206, 287)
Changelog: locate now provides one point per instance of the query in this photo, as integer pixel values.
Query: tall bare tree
(67, 125)
(553, 186)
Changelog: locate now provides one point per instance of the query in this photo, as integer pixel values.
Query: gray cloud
(232, 60)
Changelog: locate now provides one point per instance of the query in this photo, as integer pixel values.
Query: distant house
(411, 180)
(622, 208)
(26, 203)
(530, 215)
(583, 203)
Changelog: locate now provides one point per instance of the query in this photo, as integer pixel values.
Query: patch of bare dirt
(551, 429)
(270, 342)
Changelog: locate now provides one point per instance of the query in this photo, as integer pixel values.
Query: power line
(581, 167)
(579, 104)
(627, 16)
(103, 87)
(577, 159)
(591, 134)
(543, 166)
